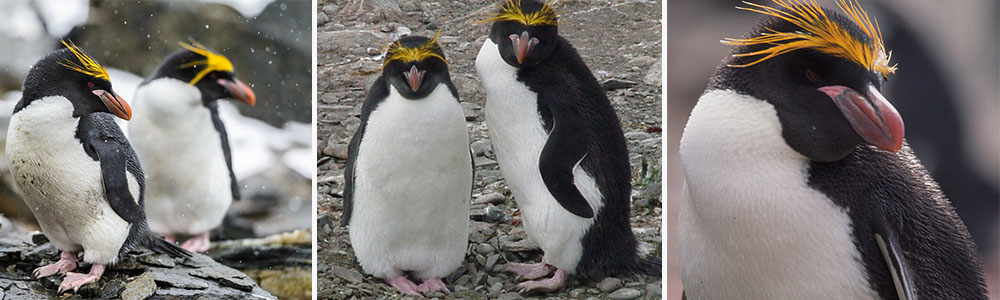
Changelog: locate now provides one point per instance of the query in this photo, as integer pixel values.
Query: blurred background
(270, 45)
(946, 89)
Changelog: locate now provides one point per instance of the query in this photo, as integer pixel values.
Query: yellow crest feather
(212, 61)
(821, 34)
(510, 10)
(396, 51)
(87, 65)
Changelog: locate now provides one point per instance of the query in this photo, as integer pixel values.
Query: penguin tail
(157, 244)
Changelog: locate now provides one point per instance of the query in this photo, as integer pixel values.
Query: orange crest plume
(821, 34)
(510, 10)
(87, 65)
(396, 51)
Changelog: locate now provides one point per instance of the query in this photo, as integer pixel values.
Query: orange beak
(870, 114)
(414, 77)
(239, 90)
(115, 104)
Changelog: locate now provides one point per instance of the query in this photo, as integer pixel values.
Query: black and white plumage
(183, 145)
(409, 172)
(75, 167)
(798, 184)
(560, 148)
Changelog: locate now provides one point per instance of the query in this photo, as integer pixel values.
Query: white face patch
(749, 226)
(518, 138)
(413, 179)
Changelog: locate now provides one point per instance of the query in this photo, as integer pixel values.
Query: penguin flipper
(563, 151)
(898, 269)
(352, 156)
(104, 142)
(226, 151)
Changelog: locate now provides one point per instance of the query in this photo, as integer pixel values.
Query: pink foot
(76, 280)
(433, 284)
(404, 285)
(548, 285)
(170, 238)
(530, 271)
(67, 262)
(198, 243)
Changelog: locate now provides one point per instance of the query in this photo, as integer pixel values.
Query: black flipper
(376, 94)
(887, 242)
(213, 107)
(104, 142)
(565, 149)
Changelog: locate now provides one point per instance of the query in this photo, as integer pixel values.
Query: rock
(482, 162)
(322, 18)
(637, 135)
(485, 249)
(641, 61)
(491, 261)
(521, 245)
(347, 274)
(510, 296)
(654, 290)
(140, 288)
(654, 75)
(354, 42)
(576, 293)
(470, 109)
(491, 198)
(652, 142)
(336, 150)
(625, 294)
(482, 147)
(490, 214)
(615, 83)
(609, 284)
(496, 288)
(330, 9)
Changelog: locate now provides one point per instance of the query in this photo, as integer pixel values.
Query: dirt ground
(619, 40)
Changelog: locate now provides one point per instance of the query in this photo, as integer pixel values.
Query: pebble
(336, 150)
(347, 274)
(609, 284)
(625, 294)
(637, 135)
(492, 261)
(576, 293)
(485, 249)
(330, 9)
(654, 290)
(491, 198)
(510, 296)
(496, 288)
(481, 147)
(322, 18)
(614, 84)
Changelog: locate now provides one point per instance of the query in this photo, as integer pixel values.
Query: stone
(330, 9)
(322, 18)
(510, 296)
(491, 261)
(625, 294)
(141, 287)
(485, 249)
(654, 290)
(654, 75)
(609, 284)
(336, 150)
(642, 61)
(521, 245)
(637, 135)
(354, 42)
(615, 84)
(482, 147)
(496, 288)
(576, 293)
(491, 198)
(347, 274)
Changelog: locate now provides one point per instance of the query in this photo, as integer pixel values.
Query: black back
(564, 83)
(892, 191)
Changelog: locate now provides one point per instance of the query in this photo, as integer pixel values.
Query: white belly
(515, 128)
(187, 180)
(61, 184)
(749, 225)
(413, 180)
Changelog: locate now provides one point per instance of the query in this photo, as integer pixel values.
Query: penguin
(76, 169)
(182, 143)
(408, 180)
(560, 148)
(798, 182)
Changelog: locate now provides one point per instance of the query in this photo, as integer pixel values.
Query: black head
(525, 31)
(70, 73)
(823, 75)
(210, 72)
(414, 66)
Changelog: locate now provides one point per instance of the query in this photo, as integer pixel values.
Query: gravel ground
(619, 40)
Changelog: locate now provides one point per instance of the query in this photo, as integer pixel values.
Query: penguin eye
(812, 76)
(90, 84)
(213, 76)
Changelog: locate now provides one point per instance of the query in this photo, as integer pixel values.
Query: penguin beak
(872, 117)
(115, 104)
(239, 90)
(414, 77)
(523, 45)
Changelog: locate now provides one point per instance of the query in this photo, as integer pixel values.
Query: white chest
(749, 226)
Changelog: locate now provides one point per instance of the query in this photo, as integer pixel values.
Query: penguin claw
(199, 243)
(76, 280)
(433, 284)
(530, 271)
(67, 262)
(405, 285)
(548, 285)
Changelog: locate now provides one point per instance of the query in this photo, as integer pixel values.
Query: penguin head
(822, 71)
(210, 72)
(415, 65)
(71, 73)
(525, 31)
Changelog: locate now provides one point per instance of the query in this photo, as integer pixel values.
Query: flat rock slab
(139, 275)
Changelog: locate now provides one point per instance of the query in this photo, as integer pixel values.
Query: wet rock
(625, 294)
(615, 83)
(140, 288)
(609, 284)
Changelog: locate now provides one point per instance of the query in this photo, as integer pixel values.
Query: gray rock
(330, 9)
(322, 18)
(615, 83)
(496, 288)
(637, 135)
(336, 150)
(642, 61)
(625, 294)
(140, 288)
(650, 142)
(654, 75)
(470, 109)
(510, 296)
(576, 293)
(491, 198)
(654, 290)
(354, 42)
(519, 245)
(347, 274)
(482, 147)
(485, 249)
(609, 284)
(482, 162)
(491, 261)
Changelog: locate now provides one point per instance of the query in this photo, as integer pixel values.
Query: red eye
(90, 84)
(812, 76)
(213, 76)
